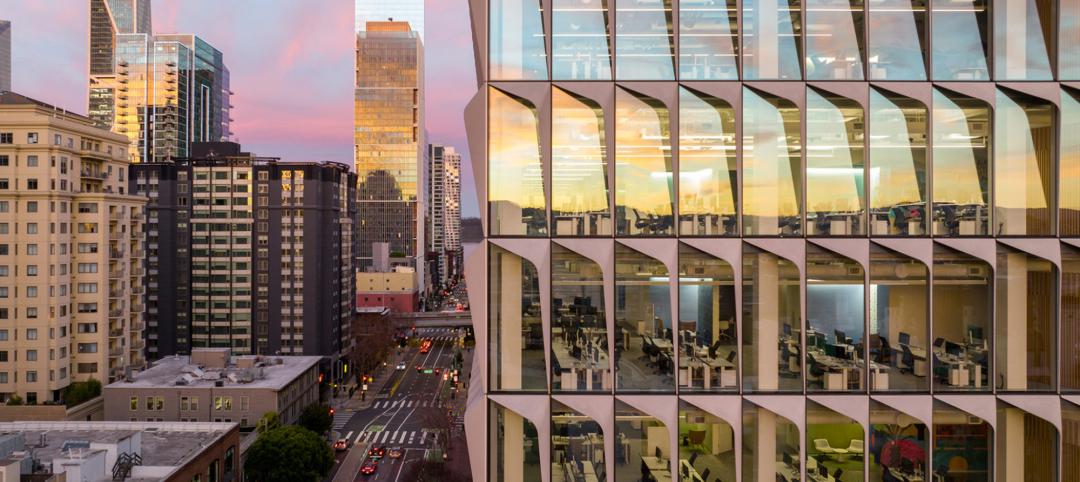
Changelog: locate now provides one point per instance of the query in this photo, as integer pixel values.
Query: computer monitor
(905, 339)
(938, 342)
(659, 454)
(975, 333)
(953, 348)
(820, 338)
(787, 459)
(907, 466)
(824, 471)
(787, 329)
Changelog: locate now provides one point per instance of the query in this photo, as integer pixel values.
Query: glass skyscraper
(5, 55)
(776, 240)
(411, 11)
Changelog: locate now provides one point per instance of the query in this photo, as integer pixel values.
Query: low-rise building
(395, 289)
(211, 385)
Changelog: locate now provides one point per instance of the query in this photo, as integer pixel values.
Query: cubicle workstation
(897, 447)
(514, 446)
(644, 341)
(772, 323)
(770, 446)
(899, 314)
(642, 446)
(706, 335)
(579, 341)
(899, 127)
(577, 446)
(835, 133)
(1025, 315)
(836, 320)
(962, 312)
(516, 338)
(706, 446)
(708, 173)
(962, 445)
(961, 166)
(835, 448)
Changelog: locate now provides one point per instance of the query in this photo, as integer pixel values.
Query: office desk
(694, 476)
(687, 366)
(573, 367)
(963, 371)
(659, 468)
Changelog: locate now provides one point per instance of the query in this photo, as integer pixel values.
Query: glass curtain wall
(513, 446)
(772, 165)
(773, 39)
(579, 191)
(708, 169)
(1070, 319)
(516, 336)
(963, 295)
(517, 205)
(835, 191)
(898, 193)
(644, 187)
(1024, 145)
(579, 351)
(899, 326)
(961, 39)
(1068, 53)
(835, 323)
(642, 446)
(708, 40)
(577, 445)
(835, 39)
(962, 445)
(706, 445)
(898, 446)
(644, 40)
(1026, 446)
(1026, 292)
(835, 445)
(708, 343)
(772, 311)
(770, 446)
(1070, 441)
(1023, 39)
(1069, 169)
(898, 40)
(644, 350)
(580, 40)
(517, 42)
(961, 165)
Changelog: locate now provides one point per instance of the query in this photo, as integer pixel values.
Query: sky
(291, 64)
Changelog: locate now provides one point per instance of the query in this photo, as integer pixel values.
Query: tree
(79, 392)
(268, 422)
(316, 418)
(288, 453)
(15, 400)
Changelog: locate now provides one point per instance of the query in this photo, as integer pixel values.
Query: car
(394, 452)
(401, 365)
(376, 452)
(341, 445)
(425, 346)
(369, 467)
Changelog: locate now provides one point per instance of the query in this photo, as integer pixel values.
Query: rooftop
(242, 372)
(8, 97)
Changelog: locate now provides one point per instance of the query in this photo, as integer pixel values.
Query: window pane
(644, 189)
(574, 437)
(644, 346)
(836, 323)
(1026, 446)
(770, 445)
(834, 166)
(1023, 162)
(708, 345)
(903, 443)
(514, 445)
(517, 40)
(639, 433)
(1070, 322)
(772, 165)
(961, 165)
(707, 165)
(963, 298)
(644, 40)
(898, 130)
(835, 43)
(963, 442)
(710, 444)
(517, 335)
(1026, 292)
(961, 41)
(1070, 441)
(773, 38)
(579, 191)
(579, 355)
(1069, 41)
(828, 430)
(515, 172)
(1021, 47)
(897, 40)
(1070, 163)
(708, 40)
(580, 40)
(899, 302)
(772, 310)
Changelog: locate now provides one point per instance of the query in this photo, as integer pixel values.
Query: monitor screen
(787, 329)
(975, 332)
(952, 348)
(938, 342)
(659, 454)
(905, 339)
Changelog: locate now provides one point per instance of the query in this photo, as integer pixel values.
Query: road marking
(348, 435)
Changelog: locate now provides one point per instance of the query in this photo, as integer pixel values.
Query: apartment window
(87, 367)
(3, 377)
(31, 270)
(7, 138)
(87, 228)
(31, 206)
(31, 250)
(3, 313)
(88, 267)
(32, 138)
(31, 228)
(32, 184)
(32, 312)
(88, 247)
(3, 291)
(134, 403)
(3, 356)
(223, 403)
(31, 355)
(3, 335)
(85, 208)
(88, 308)
(244, 403)
(87, 348)
(194, 403)
(32, 161)
(31, 377)
(4, 161)
(87, 327)
(4, 271)
(88, 288)
(4, 185)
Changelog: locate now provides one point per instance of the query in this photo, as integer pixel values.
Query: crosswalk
(391, 437)
(341, 418)
(407, 404)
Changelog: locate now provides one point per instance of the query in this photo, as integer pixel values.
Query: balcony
(137, 326)
(115, 235)
(138, 344)
(116, 313)
(116, 274)
(116, 333)
(94, 174)
(136, 270)
(116, 216)
(116, 352)
(137, 253)
(137, 290)
(116, 253)
(116, 293)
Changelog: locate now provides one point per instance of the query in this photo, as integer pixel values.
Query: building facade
(71, 279)
(5, 55)
(443, 216)
(390, 142)
(411, 11)
(396, 289)
(776, 241)
(248, 253)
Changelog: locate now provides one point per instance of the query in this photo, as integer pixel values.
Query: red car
(376, 452)
(341, 445)
(369, 467)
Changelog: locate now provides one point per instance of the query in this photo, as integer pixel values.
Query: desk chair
(822, 445)
(907, 361)
(941, 370)
(705, 475)
(836, 475)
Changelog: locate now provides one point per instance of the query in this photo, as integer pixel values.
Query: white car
(401, 365)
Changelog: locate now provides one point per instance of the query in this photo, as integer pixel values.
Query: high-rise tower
(5, 55)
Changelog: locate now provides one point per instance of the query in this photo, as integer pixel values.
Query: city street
(405, 413)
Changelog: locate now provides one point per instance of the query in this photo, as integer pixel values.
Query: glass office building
(776, 240)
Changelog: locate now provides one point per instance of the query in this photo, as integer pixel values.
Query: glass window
(963, 298)
(708, 40)
(515, 173)
(644, 40)
(961, 40)
(772, 357)
(899, 327)
(835, 190)
(899, 444)
(772, 438)
(962, 445)
(707, 443)
(961, 165)
(644, 346)
(773, 39)
(827, 431)
(1022, 39)
(1070, 441)
(898, 131)
(708, 171)
(1024, 348)
(575, 438)
(772, 165)
(1070, 321)
(1069, 41)
(517, 40)
(1069, 189)
(708, 345)
(1023, 165)
(580, 41)
(897, 40)
(835, 319)
(644, 188)
(579, 352)
(579, 194)
(517, 336)
(647, 439)
(514, 446)
(835, 43)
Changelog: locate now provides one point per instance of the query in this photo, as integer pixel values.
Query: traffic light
(331, 411)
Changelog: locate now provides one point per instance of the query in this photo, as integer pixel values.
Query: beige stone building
(71, 276)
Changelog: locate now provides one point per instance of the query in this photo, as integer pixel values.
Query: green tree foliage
(287, 454)
(80, 392)
(269, 421)
(316, 418)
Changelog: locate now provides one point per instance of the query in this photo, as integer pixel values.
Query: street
(407, 412)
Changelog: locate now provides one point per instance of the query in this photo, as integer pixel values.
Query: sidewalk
(382, 377)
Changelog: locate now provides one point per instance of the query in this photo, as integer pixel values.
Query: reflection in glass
(898, 444)
(644, 188)
(515, 173)
(708, 345)
(899, 302)
(1026, 446)
(827, 433)
(1069, 171)
(644, 348)
(963, 298)
(580, 41)
(577, 443)
(1021, 46)
(960, 40)
(772, 310)
(579, 192)
(645, 439)
(708, 40)
(773, 39)
(962, 445)
(707, 165)
(898, 131)
(961, 165)
(644, 40)
(835, 44)
(835, 319)
(1070, 320)
(517, 40)
(772, 438)
(517, 335)
(514, 446)
(579, 351)
(897, 40)
(1026, 292)
(1069, 41)
(709, 444)
(772, 166)
(1070, 441)
(834, 166)
(1023, 163)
